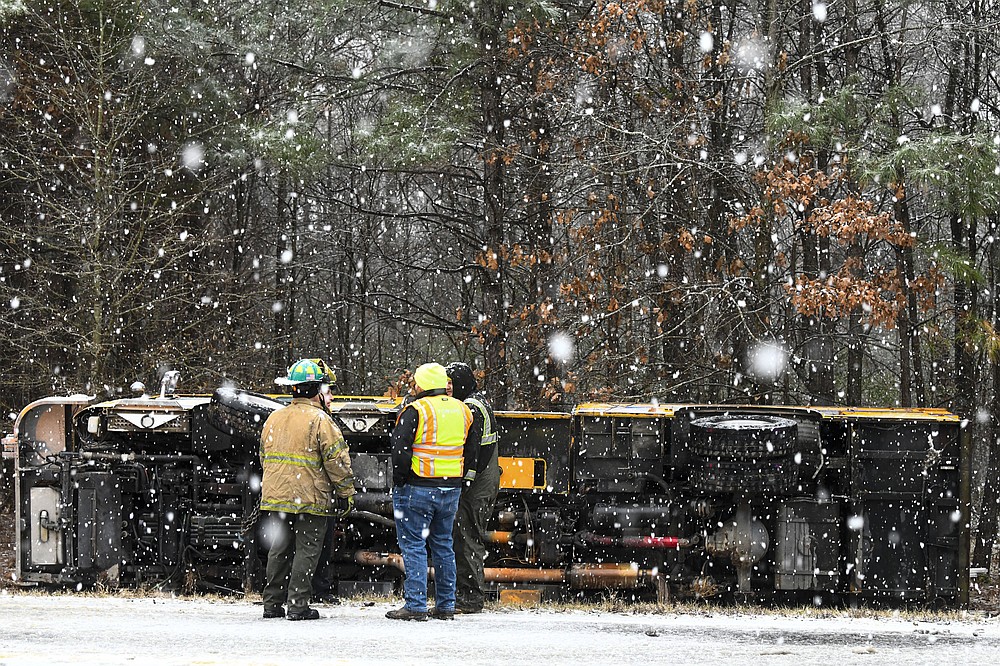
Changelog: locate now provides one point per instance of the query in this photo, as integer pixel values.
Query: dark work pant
(296, 540)
(324, 580)
(474, 511)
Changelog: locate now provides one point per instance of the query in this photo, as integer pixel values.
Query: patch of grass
(610, 604)
(613, 604)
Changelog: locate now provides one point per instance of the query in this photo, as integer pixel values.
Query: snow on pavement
(38, 629)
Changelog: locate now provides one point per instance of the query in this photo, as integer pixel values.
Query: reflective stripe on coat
(305, 460)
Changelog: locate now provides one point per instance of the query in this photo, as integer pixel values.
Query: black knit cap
(463, 382)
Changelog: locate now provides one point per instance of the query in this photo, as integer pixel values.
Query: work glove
(343, 506)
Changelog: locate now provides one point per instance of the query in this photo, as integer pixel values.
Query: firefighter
(428, 446)
(479, 494)
(307, 478)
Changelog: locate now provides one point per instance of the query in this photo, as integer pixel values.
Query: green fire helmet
(307, 370)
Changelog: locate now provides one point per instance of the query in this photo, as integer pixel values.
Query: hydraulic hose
(372, 517)
(650, 542)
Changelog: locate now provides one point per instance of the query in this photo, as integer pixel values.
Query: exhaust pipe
(367, 558)
(578, 576)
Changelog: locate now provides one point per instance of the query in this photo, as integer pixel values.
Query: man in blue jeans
(428, 450)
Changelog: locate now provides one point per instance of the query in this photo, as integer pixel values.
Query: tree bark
(495, 305)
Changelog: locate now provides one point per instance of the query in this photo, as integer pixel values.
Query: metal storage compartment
(807, 548)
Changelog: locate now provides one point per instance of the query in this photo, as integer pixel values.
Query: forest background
(736, 201)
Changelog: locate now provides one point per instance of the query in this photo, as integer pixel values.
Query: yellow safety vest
(442, 426)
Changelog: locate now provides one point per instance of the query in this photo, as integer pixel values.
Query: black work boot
(442, 613)
(468, 608)
(303, 614)
(405, 613)
(273, 612)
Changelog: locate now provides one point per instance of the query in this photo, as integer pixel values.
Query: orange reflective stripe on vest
(442, 425)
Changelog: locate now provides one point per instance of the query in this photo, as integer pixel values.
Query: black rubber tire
(767, 475)
(240, 413)
(743, 436)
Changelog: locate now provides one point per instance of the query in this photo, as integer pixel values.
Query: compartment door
(43, 514)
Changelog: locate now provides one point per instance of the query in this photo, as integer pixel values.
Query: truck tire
(240, 413)
(743, 436)
(766, 475)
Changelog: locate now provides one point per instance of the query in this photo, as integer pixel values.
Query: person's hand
(469, 477)
(343, 506)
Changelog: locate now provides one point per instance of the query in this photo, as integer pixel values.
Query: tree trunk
(495, 328)
(989, 513)
(543, 282)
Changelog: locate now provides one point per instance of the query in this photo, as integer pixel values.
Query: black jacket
(480, 456)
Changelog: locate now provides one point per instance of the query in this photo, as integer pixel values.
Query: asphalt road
(68, 629)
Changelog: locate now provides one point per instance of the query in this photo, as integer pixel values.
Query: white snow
(561, 347)
(751, 54)
(66, 629)
(768, 360)
(193, 156)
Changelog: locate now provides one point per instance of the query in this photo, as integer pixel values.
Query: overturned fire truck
(654, 501)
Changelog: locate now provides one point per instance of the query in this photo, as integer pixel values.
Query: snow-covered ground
(43, 629)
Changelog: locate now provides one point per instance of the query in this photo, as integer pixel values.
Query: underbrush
(705, 608)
